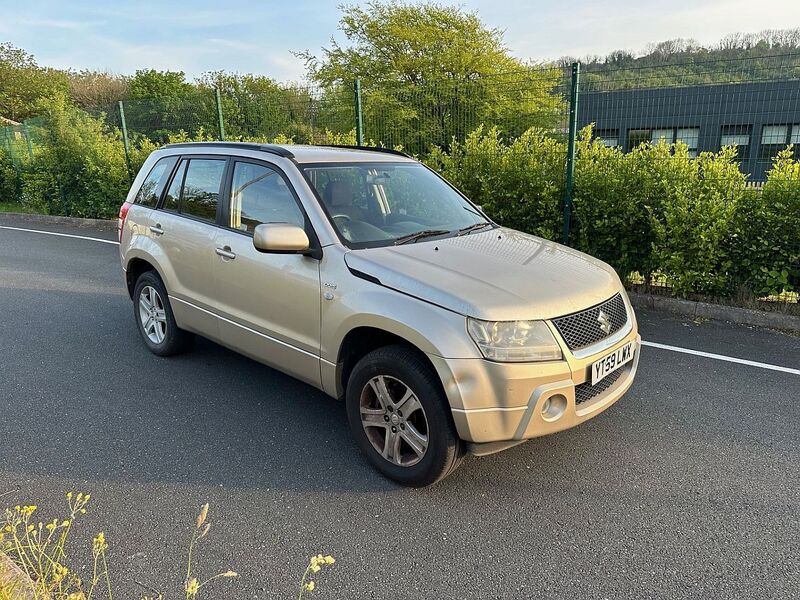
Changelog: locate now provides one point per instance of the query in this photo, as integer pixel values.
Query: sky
(258, 36)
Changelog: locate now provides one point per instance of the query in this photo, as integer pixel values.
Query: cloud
(60, 23)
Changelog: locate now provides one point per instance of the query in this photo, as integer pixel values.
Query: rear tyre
(400, 417)
(154, 317)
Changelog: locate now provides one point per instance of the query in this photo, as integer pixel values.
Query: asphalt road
(689, 487)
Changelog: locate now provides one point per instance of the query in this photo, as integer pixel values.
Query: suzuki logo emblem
(605, 323)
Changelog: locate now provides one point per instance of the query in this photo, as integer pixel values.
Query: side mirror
(282, 238)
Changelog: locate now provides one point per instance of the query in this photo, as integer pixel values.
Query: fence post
(359, 119)
(125, 143)
(27, 135)
(573, 133)
(219, 115)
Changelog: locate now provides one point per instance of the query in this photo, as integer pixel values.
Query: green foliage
(615, 204)
(519, 183)
(149, 83)
(23, 83)
(693, 241)
(766, 251)
(9, 179)
(432, 72)
(79, 166)
(651, 210)
(767, 55)
(411, 43)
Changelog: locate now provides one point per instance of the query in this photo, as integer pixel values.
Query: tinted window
(261, 195)
(153, 186)
(172, 200)
(201, 188)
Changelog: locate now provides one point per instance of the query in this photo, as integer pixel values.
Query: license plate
(612, 362)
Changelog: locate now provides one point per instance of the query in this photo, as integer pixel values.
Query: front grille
(583, 329)
(586, 391)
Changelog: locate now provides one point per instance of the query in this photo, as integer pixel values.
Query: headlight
(514, 341)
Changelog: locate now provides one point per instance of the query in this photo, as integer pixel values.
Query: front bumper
(501, 403)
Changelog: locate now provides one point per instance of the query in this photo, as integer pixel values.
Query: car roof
(300, 153)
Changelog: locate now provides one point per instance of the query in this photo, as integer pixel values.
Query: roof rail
(368, 148)
(271, 148)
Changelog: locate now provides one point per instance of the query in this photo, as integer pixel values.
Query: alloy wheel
(152, 315)
(394, 420)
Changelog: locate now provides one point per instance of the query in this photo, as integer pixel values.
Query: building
(758, 118)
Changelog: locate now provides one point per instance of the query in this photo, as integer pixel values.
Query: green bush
(652, 210)
(693, 246)
(79, 168)
(519, 183)
(617, 201)
(766, 242)
(9, 179)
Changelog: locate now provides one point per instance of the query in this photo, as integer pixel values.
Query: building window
(739, 136)
(657, 136)
(637, 137)
(688, 135)
(775, 138)
(607, 137)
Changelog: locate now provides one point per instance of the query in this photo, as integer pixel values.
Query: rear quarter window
(156, 180)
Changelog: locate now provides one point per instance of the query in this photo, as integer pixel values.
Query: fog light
(553, 407)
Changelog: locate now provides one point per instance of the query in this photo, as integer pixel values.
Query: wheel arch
(135, 266)
(363, 339)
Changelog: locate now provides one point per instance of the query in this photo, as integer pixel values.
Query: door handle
(225, 252)
(156, 229)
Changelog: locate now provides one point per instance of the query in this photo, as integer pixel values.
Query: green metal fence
(658, 120)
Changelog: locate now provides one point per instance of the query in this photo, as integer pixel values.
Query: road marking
(732, 359)
(79, 237)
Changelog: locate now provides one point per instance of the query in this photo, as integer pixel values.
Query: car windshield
(380, 204)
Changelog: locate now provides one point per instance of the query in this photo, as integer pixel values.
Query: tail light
(123, 213)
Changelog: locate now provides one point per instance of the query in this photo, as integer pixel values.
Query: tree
(430, 72)
(163, 102)
(258, 107)
(90, 89)
(23, 83)
(149, 83)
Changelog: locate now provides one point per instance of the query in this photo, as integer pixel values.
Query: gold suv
(365, 274)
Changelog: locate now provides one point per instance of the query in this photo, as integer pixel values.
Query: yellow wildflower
(192, 587)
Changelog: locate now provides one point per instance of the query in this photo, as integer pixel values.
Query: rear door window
(172, 200)
(201, 188)
(153, 186)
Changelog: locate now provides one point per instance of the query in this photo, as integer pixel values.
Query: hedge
(655, 210)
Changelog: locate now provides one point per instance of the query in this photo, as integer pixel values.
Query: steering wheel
(341, 216)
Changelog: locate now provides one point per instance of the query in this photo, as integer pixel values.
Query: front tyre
(154, 317)
(400, 417)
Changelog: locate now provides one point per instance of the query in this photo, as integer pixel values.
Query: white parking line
(79, 237)
(732, 359)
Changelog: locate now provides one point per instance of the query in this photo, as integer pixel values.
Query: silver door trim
(249, 329)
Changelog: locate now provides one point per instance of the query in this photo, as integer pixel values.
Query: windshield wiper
(473, 227)
(413, 237)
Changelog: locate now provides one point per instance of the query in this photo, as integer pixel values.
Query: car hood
(497, 275)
